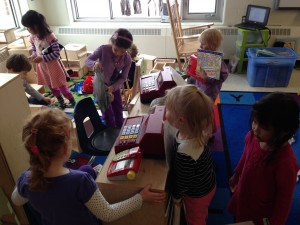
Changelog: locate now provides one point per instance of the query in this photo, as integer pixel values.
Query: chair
(93, 136)
(184, 45)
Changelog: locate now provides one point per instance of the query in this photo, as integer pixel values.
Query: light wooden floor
(238, 82)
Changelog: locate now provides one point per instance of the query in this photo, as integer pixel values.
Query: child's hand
(97, 66)
(37, 59)
(47, 100)
(233, 183)
(150, 196)
(202, 74)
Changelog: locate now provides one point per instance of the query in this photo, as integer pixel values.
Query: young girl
(210, 39)
(193, 177)
(18, 63)
(115, 62)
(59, 194)
(265, 178)
(49, 68)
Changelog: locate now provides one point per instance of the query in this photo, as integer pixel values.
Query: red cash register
(154, 85)
(144, 131)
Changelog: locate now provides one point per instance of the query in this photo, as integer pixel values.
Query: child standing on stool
(49, 68)
(192, 175)
(115, 62)
(61, 195)
(265, 177)
(210, 39)
(19, 63)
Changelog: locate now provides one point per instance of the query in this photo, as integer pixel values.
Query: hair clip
(34, 131)
(35, 150)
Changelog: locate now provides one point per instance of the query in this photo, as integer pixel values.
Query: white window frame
(212, 17)
(17, 11)
(215, 16)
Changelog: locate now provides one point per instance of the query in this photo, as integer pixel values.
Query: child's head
(276, 114)
(47, 137)
(17, 63)
(191, 111)
(35, 23)
(133, 51)
(121, 41)
(210, 39)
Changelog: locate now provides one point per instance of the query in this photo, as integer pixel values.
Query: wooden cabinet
(14, 159)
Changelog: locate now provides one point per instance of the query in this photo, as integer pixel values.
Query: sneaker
(97, 168)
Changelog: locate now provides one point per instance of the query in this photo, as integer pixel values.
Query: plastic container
(270, 71)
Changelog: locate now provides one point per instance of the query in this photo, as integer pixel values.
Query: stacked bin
(270, 71)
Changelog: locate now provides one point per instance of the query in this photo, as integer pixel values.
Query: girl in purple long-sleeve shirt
(115, 63)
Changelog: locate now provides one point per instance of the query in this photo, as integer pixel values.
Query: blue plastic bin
(270, 71)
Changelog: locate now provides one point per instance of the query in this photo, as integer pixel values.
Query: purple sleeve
(55, 51)
(22, 184)
(95, 56)
(87, 187)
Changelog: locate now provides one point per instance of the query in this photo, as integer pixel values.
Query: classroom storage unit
(73, 58)
(249, 39)
(265, 70)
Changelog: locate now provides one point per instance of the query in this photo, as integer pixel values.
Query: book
(210, 62)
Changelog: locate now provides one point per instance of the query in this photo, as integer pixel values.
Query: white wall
(56, 12)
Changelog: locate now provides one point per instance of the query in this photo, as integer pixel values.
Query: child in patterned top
(210, 39)
(19, 63)
(192, 175)
(49, 67)
(61, 195)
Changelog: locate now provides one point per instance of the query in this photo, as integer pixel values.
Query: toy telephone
(154, 85)
(125, 165)
(145, 132)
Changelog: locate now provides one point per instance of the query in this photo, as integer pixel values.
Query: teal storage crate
(270, 71)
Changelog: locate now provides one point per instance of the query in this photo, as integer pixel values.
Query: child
(264, 180)
(49, 68)
(62, 195)
(18, 63)
(210, 39)
(115, 62)
(133, 52)
(192, 174)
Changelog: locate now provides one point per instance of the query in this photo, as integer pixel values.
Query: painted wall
(56, 12)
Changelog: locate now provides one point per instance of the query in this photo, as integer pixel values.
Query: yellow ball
(130, 175)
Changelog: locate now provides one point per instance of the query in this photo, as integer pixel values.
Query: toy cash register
(145, 132)
(125, 165)
(154, 85)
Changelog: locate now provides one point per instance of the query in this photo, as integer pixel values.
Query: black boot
(61, 102)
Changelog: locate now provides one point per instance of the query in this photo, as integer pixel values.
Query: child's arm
(92, 61)
(109, 212)
(17, 199)
(34, 93)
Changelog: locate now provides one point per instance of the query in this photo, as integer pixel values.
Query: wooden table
(150, 172)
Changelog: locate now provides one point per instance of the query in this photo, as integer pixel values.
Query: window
(202, 10)
(11, 12)
(142, 10)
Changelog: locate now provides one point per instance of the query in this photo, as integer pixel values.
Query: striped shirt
(192, 172)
